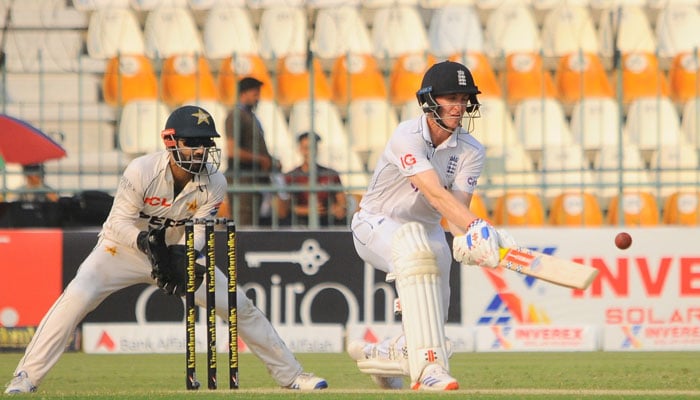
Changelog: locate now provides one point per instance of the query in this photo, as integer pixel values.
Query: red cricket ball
(623, 240)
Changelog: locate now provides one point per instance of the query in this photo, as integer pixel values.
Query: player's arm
(455, 210)
(127, 204)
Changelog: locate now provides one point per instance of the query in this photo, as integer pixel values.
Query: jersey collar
(425, 132)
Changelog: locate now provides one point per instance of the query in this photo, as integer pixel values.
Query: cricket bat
(547, 268)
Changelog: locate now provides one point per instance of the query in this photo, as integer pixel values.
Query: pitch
(594, 375)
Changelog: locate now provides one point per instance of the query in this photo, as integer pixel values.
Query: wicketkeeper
(428, 171)
(142, 242)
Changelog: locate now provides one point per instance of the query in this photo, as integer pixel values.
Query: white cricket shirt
(145, 198)
(458, 161)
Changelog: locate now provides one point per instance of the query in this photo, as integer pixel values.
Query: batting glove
(479, 246)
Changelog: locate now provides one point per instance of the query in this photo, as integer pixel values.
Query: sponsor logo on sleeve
(408, 161)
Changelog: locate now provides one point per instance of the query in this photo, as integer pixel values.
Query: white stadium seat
(140, 125)
(282, 32)
(398, 30)
(339, 31)
(455, 29)
(169, 31)
(229, 30)
(113, 31)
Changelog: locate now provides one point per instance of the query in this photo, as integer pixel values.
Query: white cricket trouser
(373, 234)
(110, 267)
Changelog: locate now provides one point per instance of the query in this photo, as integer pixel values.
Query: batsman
(428, 171)
(142, 241)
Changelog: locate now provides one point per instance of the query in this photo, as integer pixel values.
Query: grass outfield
(599, 375)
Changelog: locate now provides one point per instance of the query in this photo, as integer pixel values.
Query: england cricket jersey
(458, 161)
(145, 199)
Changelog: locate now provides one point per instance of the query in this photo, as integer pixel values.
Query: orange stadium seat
(518, 208)
(683, 76)
(575, 209)
(406, 76)
(682, 208)
(582, 75)
(482, 71)
(185, 78)
(527, 78)
(642, 77)
(129, 77)
(294, 78)
(356, 76)
(235, 68)
(640, 209)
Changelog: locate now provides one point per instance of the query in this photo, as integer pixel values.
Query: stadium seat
(630, 25)
(691, 121)
(642, 77)
(541, 123)
(34, 51)
(282, 32)
(614, 167)
(511, 28)
(150, 5)
(45, 15)
(186, 77)
(675, 168)
(92, 5)
(294, 80)
(406, 76)
(652, 122)
(140, 125)
(229, 30)
(575, 209)
(340, 31)
(526, 78)
(369, 125)
(239, 66)
(356, 76)
(494, 128)
(564, 169)
(398, 29)
(455, 29)
(113, 31)
(682, 208)
(127, 78)
(595, 124)
(509, 168)
(678, 29)
(482, 71)
(409, 110)
(683, 76)
(515, 208)
(581, 75)
(639, 209)
(568, 28)
(170, 31)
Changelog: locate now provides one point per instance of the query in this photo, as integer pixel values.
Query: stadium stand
(575, 209)
(524, 209)
(92, 74)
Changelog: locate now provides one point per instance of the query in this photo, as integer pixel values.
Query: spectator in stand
(35, 189)
(332, 203)
(248, 156)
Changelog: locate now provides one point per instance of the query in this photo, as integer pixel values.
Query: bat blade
(548, 268)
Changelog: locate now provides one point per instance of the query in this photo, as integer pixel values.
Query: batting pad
(418, 284)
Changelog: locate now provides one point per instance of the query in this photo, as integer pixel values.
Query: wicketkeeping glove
(172, 276)
(152, 243)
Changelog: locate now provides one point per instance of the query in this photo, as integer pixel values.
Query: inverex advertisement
(644, 298)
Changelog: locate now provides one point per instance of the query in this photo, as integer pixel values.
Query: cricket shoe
(370, 359)
(308, 381)
(20, 384)
(435, 377)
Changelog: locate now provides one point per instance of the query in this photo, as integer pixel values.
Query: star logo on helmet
(201, 116)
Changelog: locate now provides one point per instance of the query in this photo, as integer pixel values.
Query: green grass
(599, 375)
